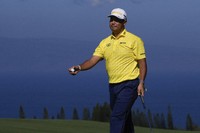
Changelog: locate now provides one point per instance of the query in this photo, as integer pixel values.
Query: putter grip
(142, 99)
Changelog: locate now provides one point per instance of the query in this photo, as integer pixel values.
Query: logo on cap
(119, 13)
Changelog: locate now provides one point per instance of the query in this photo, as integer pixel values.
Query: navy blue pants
(122, 97)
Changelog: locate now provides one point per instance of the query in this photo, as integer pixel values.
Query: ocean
(35, 93)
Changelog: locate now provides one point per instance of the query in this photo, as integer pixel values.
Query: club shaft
(142, 100)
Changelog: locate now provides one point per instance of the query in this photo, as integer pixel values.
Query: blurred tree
(189, 123)
(96, 112)
(170, 119)
(21, 112)
(150, 118)
(62, 113)
(157, 120)
(143, 119)
(58, 116)
(75, 114)
(106, 112)
(139, 118)
(86, 114)
(45, 113)
(163, 123)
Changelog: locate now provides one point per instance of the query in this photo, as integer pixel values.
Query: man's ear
(125, 23)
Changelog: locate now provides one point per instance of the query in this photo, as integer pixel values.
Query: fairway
(65, 126)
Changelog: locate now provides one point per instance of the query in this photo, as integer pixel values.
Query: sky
(169, 28)
(73, 18)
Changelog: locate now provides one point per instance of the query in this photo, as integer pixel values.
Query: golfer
(125, 59)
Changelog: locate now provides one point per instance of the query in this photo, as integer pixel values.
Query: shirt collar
(122, 34)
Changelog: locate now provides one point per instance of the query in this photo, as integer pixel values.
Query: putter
(144, 106)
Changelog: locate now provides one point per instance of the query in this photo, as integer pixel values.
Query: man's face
(116, 25)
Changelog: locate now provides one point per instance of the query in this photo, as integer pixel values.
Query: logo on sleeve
(108, 45)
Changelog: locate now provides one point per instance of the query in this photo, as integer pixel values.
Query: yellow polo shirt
(121, 55)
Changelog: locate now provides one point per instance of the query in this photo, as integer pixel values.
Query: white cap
(119, 13)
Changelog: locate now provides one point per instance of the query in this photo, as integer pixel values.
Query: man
(126, 67)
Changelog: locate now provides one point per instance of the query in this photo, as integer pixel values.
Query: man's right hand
(74, 70)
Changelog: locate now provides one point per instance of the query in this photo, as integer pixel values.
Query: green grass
(65, 126)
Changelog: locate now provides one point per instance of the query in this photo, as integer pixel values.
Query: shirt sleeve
(99, 51)
(140, 50)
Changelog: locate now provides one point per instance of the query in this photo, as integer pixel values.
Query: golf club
(145, 109)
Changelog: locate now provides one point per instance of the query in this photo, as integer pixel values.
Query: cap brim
(111, 16)
(115, 16)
